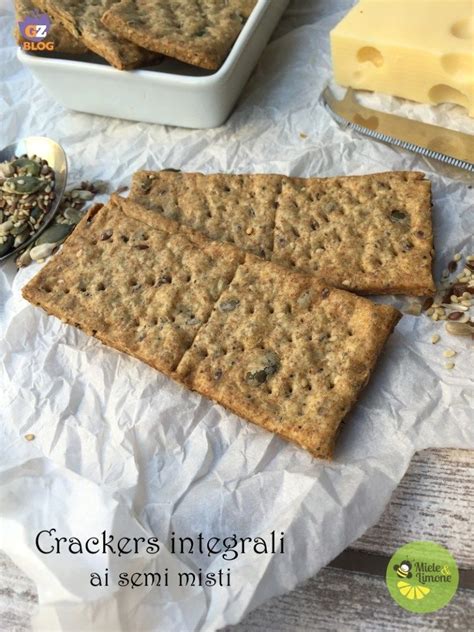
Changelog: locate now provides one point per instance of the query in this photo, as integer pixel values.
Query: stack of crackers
(236, 286)
(135, 33)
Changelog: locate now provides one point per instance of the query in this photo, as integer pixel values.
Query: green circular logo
(422, 576)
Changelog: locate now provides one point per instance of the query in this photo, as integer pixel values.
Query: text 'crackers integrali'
(277, 347)
(369, 234)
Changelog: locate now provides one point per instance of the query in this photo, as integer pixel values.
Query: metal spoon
(51, 151)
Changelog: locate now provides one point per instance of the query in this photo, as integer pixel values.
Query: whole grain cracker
(82, 18)
(235, 209)
(275, 346)
(199, 32)
(63, 41)
(288, 353)
(143, 291)
(371, 234)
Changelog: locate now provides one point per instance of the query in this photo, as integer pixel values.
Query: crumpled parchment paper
(121, 448)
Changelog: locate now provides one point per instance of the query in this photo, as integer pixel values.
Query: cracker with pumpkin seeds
(63, 41)
(273, 345)
(232, 208)
(288, 353)
(82, 18)
(199, 32)
(371, 234)
(136, 288)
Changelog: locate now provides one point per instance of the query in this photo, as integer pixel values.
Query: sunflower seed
(6, 227)
(42, 251)
(24, 259)
(459, 329)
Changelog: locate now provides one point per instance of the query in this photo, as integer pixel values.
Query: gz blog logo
(34, 30)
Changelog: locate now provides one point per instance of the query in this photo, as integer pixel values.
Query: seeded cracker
(82, 18)
(237, 209)
(63, 41)
(199, 32)
(139, 290)
(286, 353)
(371, 234)
(275, 346)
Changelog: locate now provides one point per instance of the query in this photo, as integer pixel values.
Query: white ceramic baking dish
(171, 93)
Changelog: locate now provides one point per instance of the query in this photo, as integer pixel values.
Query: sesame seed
(449, 365)
(30, 437)
(435, 338)
(457, 256)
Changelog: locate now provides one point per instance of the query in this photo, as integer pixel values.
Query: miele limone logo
(422, 577)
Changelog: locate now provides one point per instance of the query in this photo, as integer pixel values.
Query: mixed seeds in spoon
(73, 206)
(26, 195)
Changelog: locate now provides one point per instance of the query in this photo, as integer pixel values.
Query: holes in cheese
(402, 48)
(370, 54)
(458, 64)
(463, 29)
(442, 93)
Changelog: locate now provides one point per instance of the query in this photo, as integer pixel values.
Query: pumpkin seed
(229, 305)
(73, 215)
(19, 239)
(86, 196)
(99, 187)
(30, 167)
(24, 184)
(42, 251)
(269, 365)
(36, 212)
(7, 245)
(17, 230)
(398, 217)
(56, 233)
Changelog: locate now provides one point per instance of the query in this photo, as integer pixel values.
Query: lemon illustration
(412, 592)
